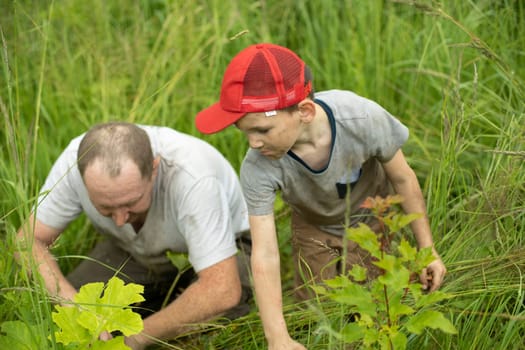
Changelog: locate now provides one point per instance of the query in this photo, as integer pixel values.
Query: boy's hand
(432, 276)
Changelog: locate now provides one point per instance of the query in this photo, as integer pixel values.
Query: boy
(326, 154)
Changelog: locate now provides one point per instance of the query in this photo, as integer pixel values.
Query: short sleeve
(386, 134)
(258, 184)
(206, 224)
(59, 202)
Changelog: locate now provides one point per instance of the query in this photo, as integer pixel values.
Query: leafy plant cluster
(394, 304)
(97, 309)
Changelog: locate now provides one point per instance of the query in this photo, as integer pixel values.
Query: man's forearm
(55, 282)
(203, 300)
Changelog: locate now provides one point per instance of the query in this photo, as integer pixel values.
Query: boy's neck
(315, 142)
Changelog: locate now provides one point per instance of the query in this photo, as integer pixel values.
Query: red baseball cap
(261, 78)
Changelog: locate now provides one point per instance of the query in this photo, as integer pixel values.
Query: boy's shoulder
(341, 97)
(348, 104)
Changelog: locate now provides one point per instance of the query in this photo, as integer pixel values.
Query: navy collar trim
(331, 120)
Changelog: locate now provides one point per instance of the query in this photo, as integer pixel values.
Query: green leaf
(366, 238)
(113, 319)
(397, 309)
(338, 282)
(118, 294)
(358, 273)
(397, 278)
(432, 319)
(432, 298)
(387, 262)
(116, 343)
(318, 289)
(358, 296)
(110, 313)
(179, 260)
(416, 290)
(89, 294)
(399, 340)
(408, 253)
(69, 332)
(397, 221)
(424, 257)
(100, 309)
(371, 337)
(352, 332)
(20, 336)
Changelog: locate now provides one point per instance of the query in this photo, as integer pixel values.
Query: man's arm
(265, 263)
(217, 289)
(37, 237)
(405, 184)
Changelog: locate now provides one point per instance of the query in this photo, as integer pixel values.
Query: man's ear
(307, 110)
(156, 162)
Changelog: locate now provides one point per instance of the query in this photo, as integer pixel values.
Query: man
(149, 190)
(325, 153)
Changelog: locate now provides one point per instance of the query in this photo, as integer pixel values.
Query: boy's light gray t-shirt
(197, 205)
(363, 136)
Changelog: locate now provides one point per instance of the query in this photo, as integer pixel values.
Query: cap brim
(214, 119)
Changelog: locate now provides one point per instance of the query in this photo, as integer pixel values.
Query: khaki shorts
(317, 256)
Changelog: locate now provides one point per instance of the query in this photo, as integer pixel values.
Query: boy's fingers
(424, 278)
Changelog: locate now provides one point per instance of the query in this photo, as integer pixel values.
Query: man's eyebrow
(127, 204)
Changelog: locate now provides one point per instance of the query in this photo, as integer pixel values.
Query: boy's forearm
(413, 202)
(268, 294)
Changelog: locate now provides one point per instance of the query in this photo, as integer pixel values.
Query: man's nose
(120, 216)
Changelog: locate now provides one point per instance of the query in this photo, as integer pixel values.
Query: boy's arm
(405, 184)
(265, 263)
(35, 237)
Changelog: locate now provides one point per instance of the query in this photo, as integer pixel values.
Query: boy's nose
(254, 142)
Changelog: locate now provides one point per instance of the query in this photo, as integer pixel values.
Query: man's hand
(105, 336)
(134, 342)
(432, 276)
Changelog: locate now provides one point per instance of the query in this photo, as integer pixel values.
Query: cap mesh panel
(290, 67)
(258, 80)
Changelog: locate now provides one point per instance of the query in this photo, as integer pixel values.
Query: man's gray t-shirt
(197, 204)
(363, 136)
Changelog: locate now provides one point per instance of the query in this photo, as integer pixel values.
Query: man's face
(272, 136)
(125, 198)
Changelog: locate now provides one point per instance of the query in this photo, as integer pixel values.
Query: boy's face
(272, 136)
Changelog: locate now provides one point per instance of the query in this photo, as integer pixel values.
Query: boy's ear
(307, 110)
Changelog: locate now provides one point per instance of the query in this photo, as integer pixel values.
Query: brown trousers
(317, 256)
